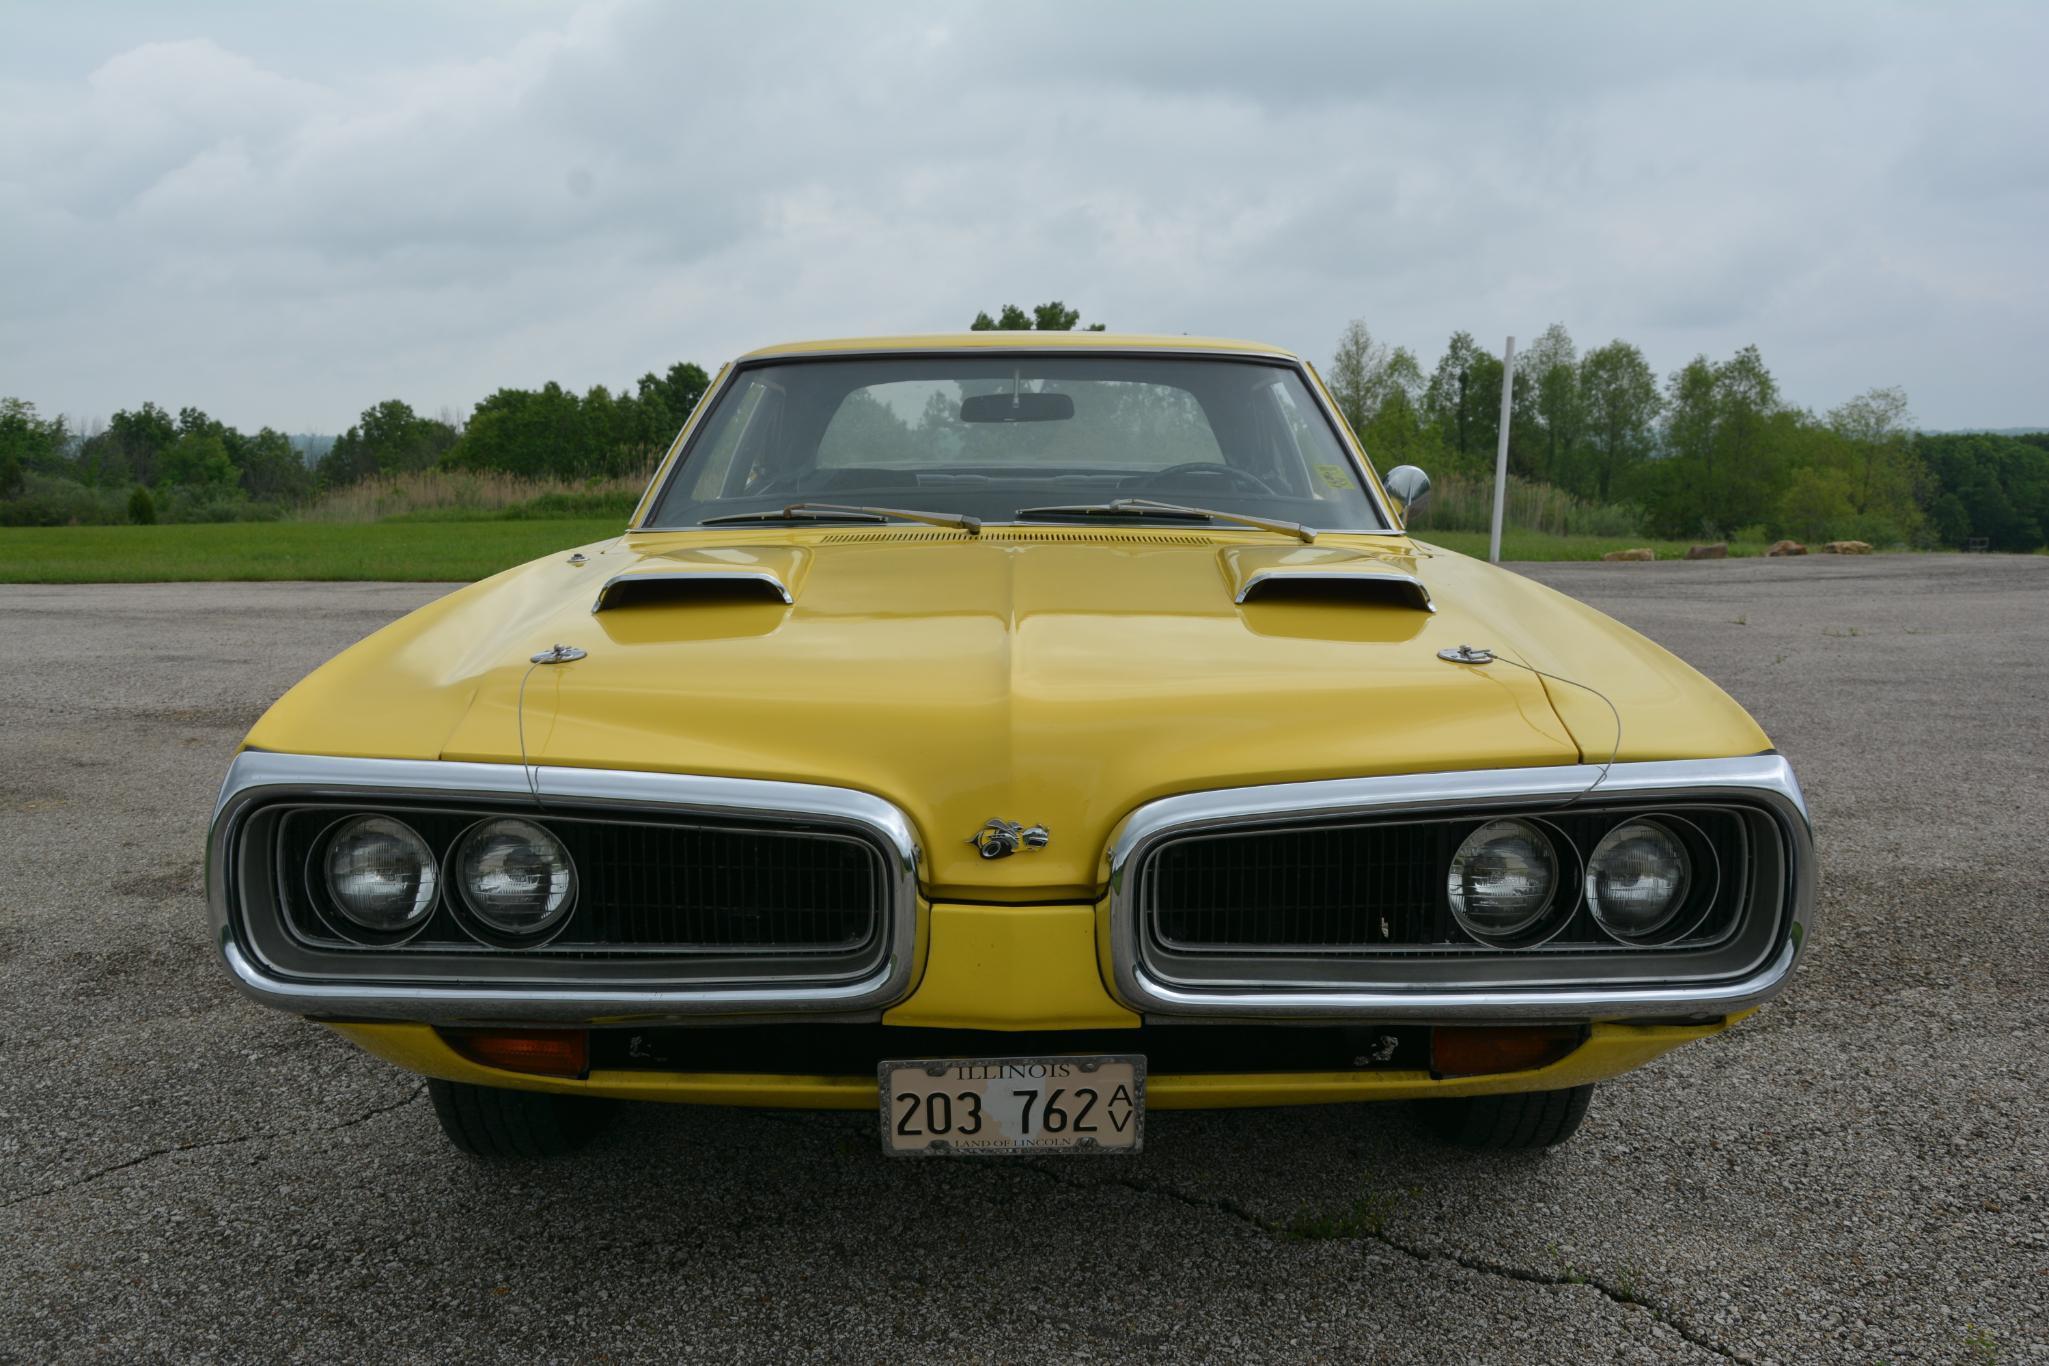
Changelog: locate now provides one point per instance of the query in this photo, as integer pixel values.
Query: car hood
(1059, 676)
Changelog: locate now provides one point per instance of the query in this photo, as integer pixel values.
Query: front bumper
(1609, 1051)
(1007, 967)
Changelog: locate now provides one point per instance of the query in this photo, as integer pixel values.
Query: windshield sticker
(1337, 476)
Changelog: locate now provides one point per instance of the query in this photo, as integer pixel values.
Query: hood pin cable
(554, 654)
(1479, 655)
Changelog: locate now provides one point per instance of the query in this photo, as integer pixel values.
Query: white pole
(1501, 451)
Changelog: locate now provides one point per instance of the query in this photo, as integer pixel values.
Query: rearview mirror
(1408, 486)
(1017, 407)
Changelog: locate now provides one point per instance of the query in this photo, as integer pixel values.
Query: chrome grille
(798, 899)
(1262, 880)
(645, 887)
(1364, 889)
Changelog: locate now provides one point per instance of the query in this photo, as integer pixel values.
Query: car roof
(1019, 341)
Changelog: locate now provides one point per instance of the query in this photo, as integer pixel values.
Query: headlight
(1502, 880)
(1637, 879)
(515, 877)
(381, 874)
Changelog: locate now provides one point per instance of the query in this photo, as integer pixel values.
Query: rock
(1642, 552)
(1787, 548)
(1847, 548)
(1718, 551)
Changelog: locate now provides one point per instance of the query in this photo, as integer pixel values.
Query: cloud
(284, 226)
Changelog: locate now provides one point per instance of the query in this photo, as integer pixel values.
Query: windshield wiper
(836, 512)
(1146, 507)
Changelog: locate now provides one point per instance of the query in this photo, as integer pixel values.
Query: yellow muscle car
(1011, 734)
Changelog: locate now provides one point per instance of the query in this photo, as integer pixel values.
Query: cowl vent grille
(1050, 536)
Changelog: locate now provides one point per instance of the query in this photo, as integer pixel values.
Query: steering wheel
(1210, 469)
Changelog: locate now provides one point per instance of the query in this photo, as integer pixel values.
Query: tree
(1724, 432)
(1358, 374)
(1463, 402)
(648, 419)
(1049, 317)
(129, 449)
(682, 387)
(1877, 425)
(1444, 401)
(194, 422)
(537, 433)
(28, 444)
(1552, 365)
(1619, 404)
(1380, 392)
(198, 461)
(1982, 484)
(388, 438)
(1816, 500)
(1748, 401)
(269, 465)
(1055, 317)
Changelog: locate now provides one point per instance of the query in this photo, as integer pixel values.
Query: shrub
(445, 495)
(1464, 502)
(213, 505)
(142, 509)
(595, 503)
(51, 500)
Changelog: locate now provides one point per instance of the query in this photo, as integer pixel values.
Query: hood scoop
(1323, 574)
(729, 574)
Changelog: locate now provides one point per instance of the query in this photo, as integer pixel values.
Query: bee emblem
(1001, 838)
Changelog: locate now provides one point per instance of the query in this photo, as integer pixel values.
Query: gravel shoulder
(1859, 1173)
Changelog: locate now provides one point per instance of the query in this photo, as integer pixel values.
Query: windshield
(990, 436)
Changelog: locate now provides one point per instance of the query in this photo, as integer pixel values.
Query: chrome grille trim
(257, 780)
(1762, 782)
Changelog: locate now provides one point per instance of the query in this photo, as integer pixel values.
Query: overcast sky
(283, 213)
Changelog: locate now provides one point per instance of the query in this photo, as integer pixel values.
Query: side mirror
(1408, 486)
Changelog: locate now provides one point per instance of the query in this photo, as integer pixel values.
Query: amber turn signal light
(1467, 1051)
(540, 1052)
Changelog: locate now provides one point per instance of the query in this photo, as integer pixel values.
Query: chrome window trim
(1341, 430)
(1765, 781)
(258, 778)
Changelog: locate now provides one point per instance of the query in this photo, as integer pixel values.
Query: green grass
(1365, 1217)
(410, 551)
(1538, 545)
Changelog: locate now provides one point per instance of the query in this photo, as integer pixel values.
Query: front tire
(1527, 1119)
(490, 1122)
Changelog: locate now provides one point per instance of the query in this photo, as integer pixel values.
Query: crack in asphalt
(204, 1144)
(1232, 1209)
(1479, 1265)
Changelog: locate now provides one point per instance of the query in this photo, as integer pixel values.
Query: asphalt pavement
(1859, 1173)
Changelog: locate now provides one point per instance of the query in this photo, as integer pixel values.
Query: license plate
(946, 1106)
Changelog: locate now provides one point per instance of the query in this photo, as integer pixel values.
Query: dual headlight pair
(517, 879)
(1505, 879)
(512, 876)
